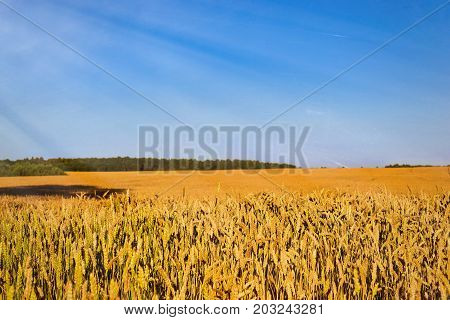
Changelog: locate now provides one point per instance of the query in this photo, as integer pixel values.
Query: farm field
(218, 183)
(337, 234)
(320, 245)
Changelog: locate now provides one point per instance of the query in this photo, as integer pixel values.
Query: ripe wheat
(321, 245)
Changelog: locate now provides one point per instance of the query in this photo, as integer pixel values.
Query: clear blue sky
(227, 62)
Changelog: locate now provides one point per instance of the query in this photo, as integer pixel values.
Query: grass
(316, 245)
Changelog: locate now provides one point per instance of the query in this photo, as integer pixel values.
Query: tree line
(405, 165)
(58, 166)
(28, 167)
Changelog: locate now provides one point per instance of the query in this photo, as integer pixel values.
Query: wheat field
(199, 184)
(314, 245)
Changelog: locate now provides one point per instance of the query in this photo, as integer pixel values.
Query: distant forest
(396, 165)
(58, 166)
(28, 167)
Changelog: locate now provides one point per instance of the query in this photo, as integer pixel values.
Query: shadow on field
(58, 190)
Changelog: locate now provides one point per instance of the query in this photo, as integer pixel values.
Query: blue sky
(227, 62)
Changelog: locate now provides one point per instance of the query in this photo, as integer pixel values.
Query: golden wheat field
(218, 183)
(328, 234)
(313, 245)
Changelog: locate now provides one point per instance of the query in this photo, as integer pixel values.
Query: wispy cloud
(333, 35)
